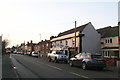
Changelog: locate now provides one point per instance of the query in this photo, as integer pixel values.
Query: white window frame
(107, 41)
(106, 54)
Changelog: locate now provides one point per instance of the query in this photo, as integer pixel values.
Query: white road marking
(14, 67)
(40, 62)
(79, 75)
(54, 67)
(10, 56)
(49, 65)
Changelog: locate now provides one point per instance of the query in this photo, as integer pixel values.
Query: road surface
(32, 67)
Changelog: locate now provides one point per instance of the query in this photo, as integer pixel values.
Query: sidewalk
(7, 67)
(112, 68)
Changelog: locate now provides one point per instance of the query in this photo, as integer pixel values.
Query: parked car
(34, 54)
(57, 56)
(87, 60)
(29, 53)
(15, 52)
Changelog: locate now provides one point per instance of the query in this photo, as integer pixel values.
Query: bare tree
(5, 43)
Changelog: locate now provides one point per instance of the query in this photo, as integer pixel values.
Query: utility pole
(75, 36)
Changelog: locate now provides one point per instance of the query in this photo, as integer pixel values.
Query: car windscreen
(59, 52)
(96, 56)
(35, 53)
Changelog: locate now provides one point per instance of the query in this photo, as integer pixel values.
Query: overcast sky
(24, 20)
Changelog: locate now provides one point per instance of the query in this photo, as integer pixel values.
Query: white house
(87, 40)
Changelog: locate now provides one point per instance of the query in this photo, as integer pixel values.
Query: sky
(26, 20)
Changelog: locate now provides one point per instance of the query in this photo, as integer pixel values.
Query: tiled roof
(80, 28)
(108, 31)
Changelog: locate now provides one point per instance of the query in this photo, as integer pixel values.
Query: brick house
(43, 47)
(87, 40)
(29, 46)
(109, 44)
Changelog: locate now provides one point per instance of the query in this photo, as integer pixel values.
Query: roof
(80, 28)
(108, 31)
(42, 42)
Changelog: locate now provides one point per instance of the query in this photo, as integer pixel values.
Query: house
(110, 44)
(29, 46)
(80, 39)
(43, 47)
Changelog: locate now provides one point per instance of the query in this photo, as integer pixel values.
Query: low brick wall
(111, 61)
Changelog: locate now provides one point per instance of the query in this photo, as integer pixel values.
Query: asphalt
(115, 69)
(8, 71)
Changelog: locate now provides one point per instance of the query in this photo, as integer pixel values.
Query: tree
(5, 43)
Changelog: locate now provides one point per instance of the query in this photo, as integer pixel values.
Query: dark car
(87, 60)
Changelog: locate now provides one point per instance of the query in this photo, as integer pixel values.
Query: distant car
(88, 60)
(22, 52)
(15, 52)
(34, 54)
(25, 53)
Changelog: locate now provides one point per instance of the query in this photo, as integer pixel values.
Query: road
(32, 67)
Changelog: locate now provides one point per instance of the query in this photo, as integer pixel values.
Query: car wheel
(56, 61)
(71, 63)
(84, 66)
(49, 59)
(66, 61)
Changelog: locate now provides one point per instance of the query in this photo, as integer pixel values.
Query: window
(110, 40)
(82, 55)
(73, 41)
(78, 56)
(106, 41)
(106, 53)
(54, 44)
(61, 44)
(66, 42)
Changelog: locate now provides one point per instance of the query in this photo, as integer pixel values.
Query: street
(32, 67)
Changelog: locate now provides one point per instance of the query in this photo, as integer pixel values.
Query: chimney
(28, 42)
(31, 41)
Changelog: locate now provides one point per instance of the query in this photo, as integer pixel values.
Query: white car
(57, 56)
(34, 54)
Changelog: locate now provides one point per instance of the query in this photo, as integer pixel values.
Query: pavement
(112, 69)
(7, 68)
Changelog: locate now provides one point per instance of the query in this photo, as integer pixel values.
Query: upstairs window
(66, 42)
(110, 40)
(107, 41)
